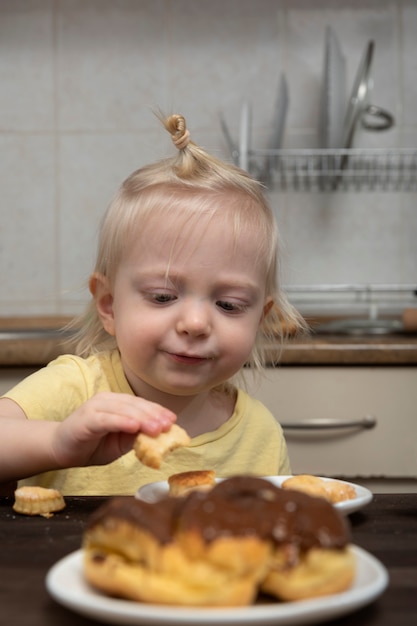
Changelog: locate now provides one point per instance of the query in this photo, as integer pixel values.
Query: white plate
(334, 93)
(66, 584)
(154, 491)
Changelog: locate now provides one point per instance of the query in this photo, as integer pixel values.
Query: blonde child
(185, 290)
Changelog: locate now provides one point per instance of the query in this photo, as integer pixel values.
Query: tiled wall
(79, 80)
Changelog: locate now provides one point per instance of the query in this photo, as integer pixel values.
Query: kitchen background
(80, 79)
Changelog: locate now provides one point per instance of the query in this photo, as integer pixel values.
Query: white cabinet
(339, 394)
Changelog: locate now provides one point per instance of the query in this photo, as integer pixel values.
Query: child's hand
(104, 428)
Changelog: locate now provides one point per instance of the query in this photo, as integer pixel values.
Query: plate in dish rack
(66, 584)
(154, 491)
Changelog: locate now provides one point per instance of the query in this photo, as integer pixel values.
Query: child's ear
(269, 303)
(100, 290)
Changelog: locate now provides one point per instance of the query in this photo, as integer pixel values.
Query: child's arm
(98, 432)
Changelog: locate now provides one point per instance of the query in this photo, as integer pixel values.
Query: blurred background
(80, 79)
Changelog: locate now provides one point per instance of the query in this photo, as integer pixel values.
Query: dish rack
(356, 169)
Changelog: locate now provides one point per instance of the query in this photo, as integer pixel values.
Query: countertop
(393, 349)
(386, 528)
(36, 341)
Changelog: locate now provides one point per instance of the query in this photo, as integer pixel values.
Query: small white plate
(66, 584)
(334, 93)
(154, 491)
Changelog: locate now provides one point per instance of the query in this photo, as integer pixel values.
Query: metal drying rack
(370, 169)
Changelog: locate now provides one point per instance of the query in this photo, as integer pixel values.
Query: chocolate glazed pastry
(219, 548)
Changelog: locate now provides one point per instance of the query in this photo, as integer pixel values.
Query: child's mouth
(188, 359)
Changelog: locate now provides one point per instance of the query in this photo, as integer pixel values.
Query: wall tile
(26, 65)
(28, 269)
(112, 63)
(343, 239)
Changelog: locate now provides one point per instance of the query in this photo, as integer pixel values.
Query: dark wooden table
(29, 546)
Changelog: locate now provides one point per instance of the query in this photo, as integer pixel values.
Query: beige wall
(79, 80)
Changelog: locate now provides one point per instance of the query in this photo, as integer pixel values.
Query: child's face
(186, 329)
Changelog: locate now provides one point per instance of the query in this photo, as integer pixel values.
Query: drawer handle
(326, 423)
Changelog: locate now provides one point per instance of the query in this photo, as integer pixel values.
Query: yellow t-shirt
(251, 441)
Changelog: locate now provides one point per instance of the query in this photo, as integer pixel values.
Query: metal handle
(375, 118)
(327, 423)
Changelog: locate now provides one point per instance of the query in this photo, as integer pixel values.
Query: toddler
(184, 294)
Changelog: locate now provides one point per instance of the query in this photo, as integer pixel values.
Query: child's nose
(194, 319)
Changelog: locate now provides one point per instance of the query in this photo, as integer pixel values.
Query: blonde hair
(196, 180)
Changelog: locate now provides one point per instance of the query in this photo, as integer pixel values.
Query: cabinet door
(305, 394)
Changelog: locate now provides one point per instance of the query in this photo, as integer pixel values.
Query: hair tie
(181, 137)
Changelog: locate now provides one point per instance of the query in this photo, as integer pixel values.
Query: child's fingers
(122, 412)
